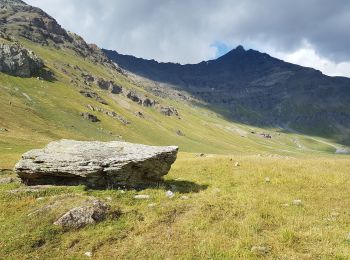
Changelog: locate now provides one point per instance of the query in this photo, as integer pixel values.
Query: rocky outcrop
(90, 94)
(109, 85)
(90, 117)
(109, 113)
(82, 216)
(18, 61)
(140, 99)
(168, 111)
(96, 164)
(19, 19)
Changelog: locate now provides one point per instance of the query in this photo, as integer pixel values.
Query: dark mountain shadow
(256, 89)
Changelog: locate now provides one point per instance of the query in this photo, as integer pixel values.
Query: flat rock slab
(96, 164)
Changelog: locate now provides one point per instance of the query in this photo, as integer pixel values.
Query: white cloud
(185, 31)
(308, 57)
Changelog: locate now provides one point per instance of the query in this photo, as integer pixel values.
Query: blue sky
(221, 48)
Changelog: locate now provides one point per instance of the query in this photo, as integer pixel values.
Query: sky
(312, 33)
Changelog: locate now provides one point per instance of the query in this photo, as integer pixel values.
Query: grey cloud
(184, 31)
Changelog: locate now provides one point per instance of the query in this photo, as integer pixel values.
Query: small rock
(285, 205)
(109, 198)
(141, 197)
(180, 133)
(81, 216)
(40, 198)
(90, 117)
(237, 164)
(267, 180)
(297, 202)
(3, 130)
(88, 254)
(152, 205)
(7, 180)
(260, 250)
(184, 197)
(170, 194)
(122, 191)
(334, 214)
(201, 155)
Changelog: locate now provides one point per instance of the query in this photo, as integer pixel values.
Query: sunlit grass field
(219, 211)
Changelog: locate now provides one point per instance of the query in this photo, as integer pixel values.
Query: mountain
(236, 191)
(251, 87)
(54, 85)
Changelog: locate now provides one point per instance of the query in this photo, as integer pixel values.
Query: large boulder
(18, 61)
(96, 164)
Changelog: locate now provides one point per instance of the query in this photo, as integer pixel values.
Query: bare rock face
(96, 164)
(18, 61)
(82, 216)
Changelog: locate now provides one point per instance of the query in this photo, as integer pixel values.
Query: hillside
(254, 88)
(245, 184)
(38, 109)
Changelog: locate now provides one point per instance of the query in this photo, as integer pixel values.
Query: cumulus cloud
(193, 30)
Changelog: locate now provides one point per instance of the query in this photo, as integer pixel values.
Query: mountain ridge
(258, 89)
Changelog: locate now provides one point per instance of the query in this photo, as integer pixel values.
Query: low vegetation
(277, 207)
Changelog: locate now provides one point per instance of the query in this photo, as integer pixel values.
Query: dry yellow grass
(219, 212)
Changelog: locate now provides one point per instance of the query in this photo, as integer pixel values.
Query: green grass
(53, 109)
(228, 211)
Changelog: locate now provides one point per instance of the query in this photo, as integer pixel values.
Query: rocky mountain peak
(19, 20)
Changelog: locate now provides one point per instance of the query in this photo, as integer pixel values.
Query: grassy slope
(54, 108)
(229, 210)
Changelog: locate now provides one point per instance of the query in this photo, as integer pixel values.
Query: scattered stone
(169, 111)
(109, 85)
(267, 136)
(109, 113)
(79, 217)
(260, 250)
(8, 180)
(297, 202)
(88, 78)
(140, 114)
(141, 197)
(90, 117)
(201, 155)
(140, 99)
(267, 180)
(88, 254)
(18, 61)
(101, 164)
(90, 94)
(237, 164)
(335, 214)
(180, 133)
(170, 194)
(184, 197)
